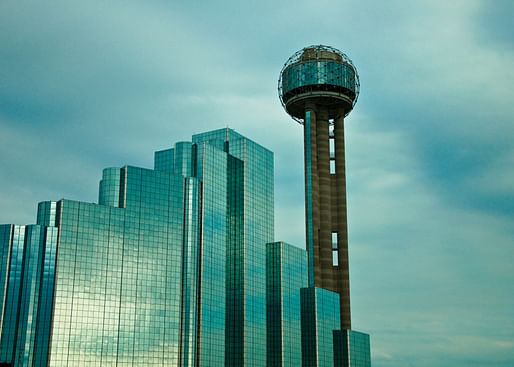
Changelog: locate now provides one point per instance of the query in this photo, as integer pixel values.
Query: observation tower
(318, 87)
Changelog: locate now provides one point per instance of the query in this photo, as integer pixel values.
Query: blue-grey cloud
(88, 85)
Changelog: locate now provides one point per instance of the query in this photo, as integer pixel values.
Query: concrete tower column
(341, 225)
(324, 243)
(312, 194)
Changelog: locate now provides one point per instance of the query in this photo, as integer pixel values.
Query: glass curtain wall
(167, 269)
(251, 220)
(286, 274)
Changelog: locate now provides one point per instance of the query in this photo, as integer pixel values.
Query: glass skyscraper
(166, 270)
(351, 349)
(320, 317)
(249, 222)
(286, 275)
(174, 266)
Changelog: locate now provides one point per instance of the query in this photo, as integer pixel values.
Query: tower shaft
(326, 216)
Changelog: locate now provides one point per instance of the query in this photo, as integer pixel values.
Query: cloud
(446, 266)
(89, 85)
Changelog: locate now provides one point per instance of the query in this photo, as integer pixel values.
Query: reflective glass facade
(175, 266)
(352, 349)
(318, 72)
(250, 221)
(117, 297)
(320, 317)
(27, 280)
(286, 274)
(212, 166)
(168, 269)
(13, 240)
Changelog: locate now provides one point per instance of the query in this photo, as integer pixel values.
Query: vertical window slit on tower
(335, 250)
(332, 150)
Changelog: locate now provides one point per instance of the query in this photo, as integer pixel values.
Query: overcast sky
(430, 144)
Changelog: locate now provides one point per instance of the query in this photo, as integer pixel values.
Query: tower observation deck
(318, 87)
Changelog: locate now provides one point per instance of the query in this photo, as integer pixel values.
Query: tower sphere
(321, 76)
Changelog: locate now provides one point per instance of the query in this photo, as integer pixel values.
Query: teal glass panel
(46, 295)
(184, 159)
(29, 303)
(6, 242)
(46, 213)
(351, 349)
(167, 269)
(257, 230)
(250, 226)
(190, 274)
(318, 72)
(217, 138)
(286, 274)
(6, 232)
(273, 305)
(164, 160)
(109, 192)
(235, 263)
(320, 317)
(24, 285)
(212, 172)
(118, 289)
(12, 293)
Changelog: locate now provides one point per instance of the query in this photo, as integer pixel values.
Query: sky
(86, 85)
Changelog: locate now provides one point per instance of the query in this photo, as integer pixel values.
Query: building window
(332, 151)
(335, 250)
